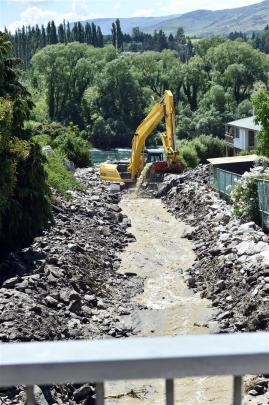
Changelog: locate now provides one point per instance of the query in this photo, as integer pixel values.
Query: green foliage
(70, 141)
(245, 109)
(59, 178)
(212, 147)
(24, 201)
(261, 102)
(109, 93)
(244, 197)
(199, 149)
(74, 148)
(115, 105)
(188, 156)
(67, 71)
(42, 140)
(28, 209)
(237, 66)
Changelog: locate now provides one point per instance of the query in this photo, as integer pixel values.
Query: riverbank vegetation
(24, 193)
(107, 92)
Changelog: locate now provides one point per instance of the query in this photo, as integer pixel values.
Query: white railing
(167, 358)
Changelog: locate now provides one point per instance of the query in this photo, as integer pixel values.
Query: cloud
(37, 15)
(28, 2)
(117, 6)
(146, 12)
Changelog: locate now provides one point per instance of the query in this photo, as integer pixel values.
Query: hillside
(207, 22)
(127, 24)
(200, 22)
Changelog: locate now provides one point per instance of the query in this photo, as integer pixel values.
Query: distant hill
(127, 24)
(207, 22)
(200, 22)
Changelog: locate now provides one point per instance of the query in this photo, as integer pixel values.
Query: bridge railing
(165, 358)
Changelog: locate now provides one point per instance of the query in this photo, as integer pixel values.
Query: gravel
(65, 285)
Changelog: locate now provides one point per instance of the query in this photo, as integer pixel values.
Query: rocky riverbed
(65, 285)
(232, 257)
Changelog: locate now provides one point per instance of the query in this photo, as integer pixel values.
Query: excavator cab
(153, 155)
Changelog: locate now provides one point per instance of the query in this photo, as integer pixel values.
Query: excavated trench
(161, 255)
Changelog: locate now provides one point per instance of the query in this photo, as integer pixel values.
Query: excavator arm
(129, 172)
(165, 108)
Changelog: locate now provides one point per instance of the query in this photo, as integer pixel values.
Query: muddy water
(161, 255)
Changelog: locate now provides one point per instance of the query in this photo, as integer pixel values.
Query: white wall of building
(242, 141)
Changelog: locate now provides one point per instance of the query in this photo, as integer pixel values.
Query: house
(241, 135)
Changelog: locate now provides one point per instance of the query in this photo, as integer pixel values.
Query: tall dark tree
(81, 33)
(68, 33)
(43, 39)
(114, 35)
(100, 38)
(117, 35)
(61, 34)
(94, 35)
(88, 33)
(54, 38)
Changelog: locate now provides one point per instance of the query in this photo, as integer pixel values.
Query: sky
(15, 13)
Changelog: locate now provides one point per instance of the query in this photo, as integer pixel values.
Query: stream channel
(161, 255)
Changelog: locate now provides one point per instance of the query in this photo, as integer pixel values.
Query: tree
(261, 103)
(117, 35)
(24, 201)
(53, 34)
(61, 34)
(100, 38)
(67, 72)
(237, 66)
(193, 81)
(117, 105)
(88, 34)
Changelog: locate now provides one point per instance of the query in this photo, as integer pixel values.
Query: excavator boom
(122, 172)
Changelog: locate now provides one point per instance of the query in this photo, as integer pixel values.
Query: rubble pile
(65, 285)
(232, 264)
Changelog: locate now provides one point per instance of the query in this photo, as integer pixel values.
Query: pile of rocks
(65, 285)
(232, 264)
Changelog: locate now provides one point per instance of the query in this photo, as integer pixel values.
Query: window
(251, 139)
(237, 132)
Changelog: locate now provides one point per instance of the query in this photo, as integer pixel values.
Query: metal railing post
(100, 393)
(30, 399)
(237, 391)
(170, 393)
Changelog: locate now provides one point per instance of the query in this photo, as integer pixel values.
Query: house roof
(232, 159)
(248, 123)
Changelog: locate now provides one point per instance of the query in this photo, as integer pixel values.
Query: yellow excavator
(128, 172)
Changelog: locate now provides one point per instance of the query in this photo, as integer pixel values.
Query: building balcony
(229, 139)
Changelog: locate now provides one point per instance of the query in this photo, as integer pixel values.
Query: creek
(161, 255)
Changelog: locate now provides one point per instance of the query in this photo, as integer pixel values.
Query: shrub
(200, 149)
(42, 140)
(75, 148)
(69, 140)
(214, 147)
(59, 178)
(189, 156)
(244, 197)
(28, 209)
